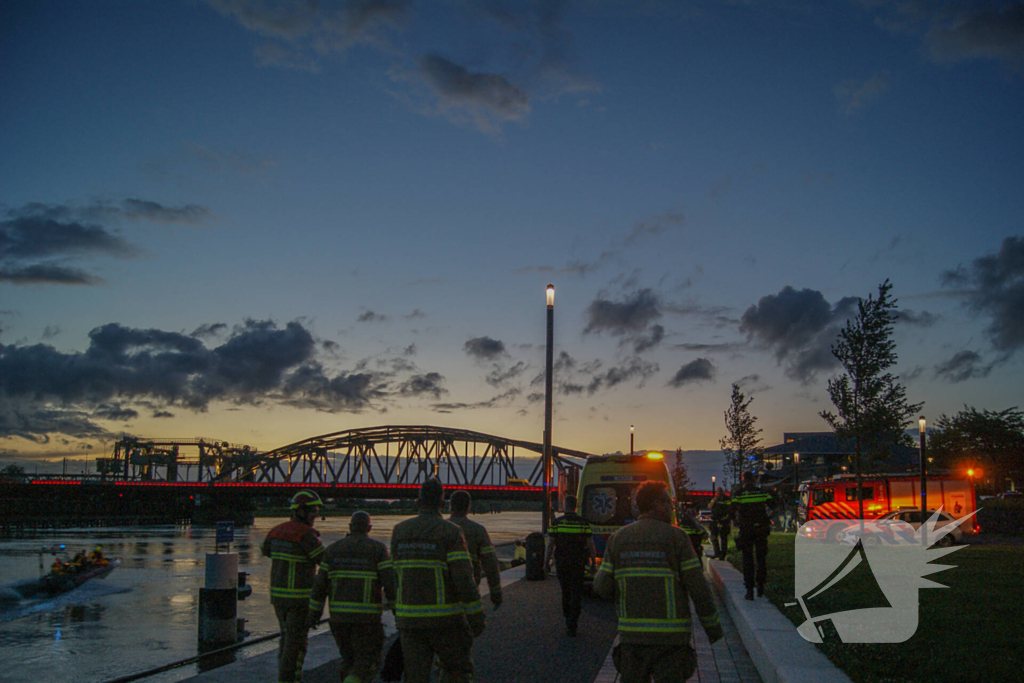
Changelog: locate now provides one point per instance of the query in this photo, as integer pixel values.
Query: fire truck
(837, 498)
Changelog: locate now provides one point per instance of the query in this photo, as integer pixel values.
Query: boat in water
(65, 576)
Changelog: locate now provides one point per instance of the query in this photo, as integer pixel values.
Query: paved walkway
(524, 642)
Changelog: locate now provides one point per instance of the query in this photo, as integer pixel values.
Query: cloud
(955, 31)
(500, 400)
(298, 33)
(484, 348)
(854, 95)
(38, 237)
(487, 99)
(629, 369)
(647, 342)
(191, 214)
(371, 317)
(996, 289)
(963, 366)
(499, 375)
(43, 390)
(628, 317)
(799, 327)
(416, 313)
(906, 316)
(48, 274)
(420, 385)
(696, 371)
(209, 330)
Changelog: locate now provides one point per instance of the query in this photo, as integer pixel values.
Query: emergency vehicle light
(655, 456)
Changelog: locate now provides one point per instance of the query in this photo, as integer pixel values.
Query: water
(144, 614)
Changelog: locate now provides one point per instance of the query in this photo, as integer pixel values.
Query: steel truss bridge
(387, 460)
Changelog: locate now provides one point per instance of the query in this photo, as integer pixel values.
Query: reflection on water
(143, 614)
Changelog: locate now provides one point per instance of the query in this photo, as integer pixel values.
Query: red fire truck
(837, 498)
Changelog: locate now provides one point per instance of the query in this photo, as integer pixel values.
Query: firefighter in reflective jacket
(353, 573)
(721, 523)
(294, 549)
(478, 543)
(751, 510)
(438, 610)
(695, 531)
(652, 571)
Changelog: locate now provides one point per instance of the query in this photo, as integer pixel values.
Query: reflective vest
(570, 533)
(353, 573)
(294, 549)
(436, 588)
(750, 509)
(651, 571)
(481, 552)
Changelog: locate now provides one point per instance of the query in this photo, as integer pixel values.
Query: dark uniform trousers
(754, 545)
(359, 645)
(291, 650)
(571, 580)
(720, 537)
(452, 647)
(639, 663)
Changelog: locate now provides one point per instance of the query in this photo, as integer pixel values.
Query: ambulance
(606, 496)
(836, 499)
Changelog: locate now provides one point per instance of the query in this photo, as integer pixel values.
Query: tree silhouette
(993, 440)
(742, 440)
(871, 404)
(681, 481)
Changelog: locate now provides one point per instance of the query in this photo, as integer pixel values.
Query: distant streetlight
(922, 424)
(631, 439)
(712, 484)
(547, 406)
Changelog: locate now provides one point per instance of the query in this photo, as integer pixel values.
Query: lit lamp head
(921, 423)
(551, 296)
(796, 458)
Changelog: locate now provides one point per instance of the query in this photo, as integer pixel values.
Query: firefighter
(751, 509)
(721, 523)
(651, 570)
(694, 530)
(353, 574)
(572, 546)
(96, 556)
(438, 610)
(478, 542)
(294, 549)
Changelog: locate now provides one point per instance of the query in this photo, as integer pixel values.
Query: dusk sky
(261, 221)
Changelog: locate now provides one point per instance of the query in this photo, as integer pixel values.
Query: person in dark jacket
(438, 610)
(721, 523)
(355, 576)
(694, 530)
(478, 542)
(572, 546)
(751, 509)
(650, 569)
(294, 549)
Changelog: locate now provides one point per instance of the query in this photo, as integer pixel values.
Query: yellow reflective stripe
(473, 607)
(670, 596)
(289, 592)
(459, 555)
(288, 557)
(427, 610)
(655, 625)
(487, 549)
(690, 564)
(606, 564)
(658, 572)
(420, 564)
(351, 574)
(384, 564)
(316, 553)
(356, 607)
(710, 622)
(326, 567)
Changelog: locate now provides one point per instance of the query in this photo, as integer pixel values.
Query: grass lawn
(971, 631)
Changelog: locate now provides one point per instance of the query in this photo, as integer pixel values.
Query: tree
(871, 404)
(989, 440)
(681, 481)
(742, 441)
(12, 473)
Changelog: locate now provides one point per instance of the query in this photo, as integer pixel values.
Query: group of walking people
(430, 574)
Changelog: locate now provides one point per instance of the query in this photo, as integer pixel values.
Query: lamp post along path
(549, 370)
(924, 482)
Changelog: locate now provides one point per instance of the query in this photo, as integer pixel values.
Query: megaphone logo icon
(862, 586)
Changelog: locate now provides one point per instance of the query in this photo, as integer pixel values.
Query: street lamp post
(921, 423)
(712, 484)
(631, 439)
(547, 406)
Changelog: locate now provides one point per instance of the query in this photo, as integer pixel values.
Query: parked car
(1012, 495)
(895, 528)
(704, 516)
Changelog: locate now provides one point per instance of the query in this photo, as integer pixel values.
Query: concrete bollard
(218, 602)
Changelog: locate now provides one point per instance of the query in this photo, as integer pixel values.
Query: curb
(780, 654)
